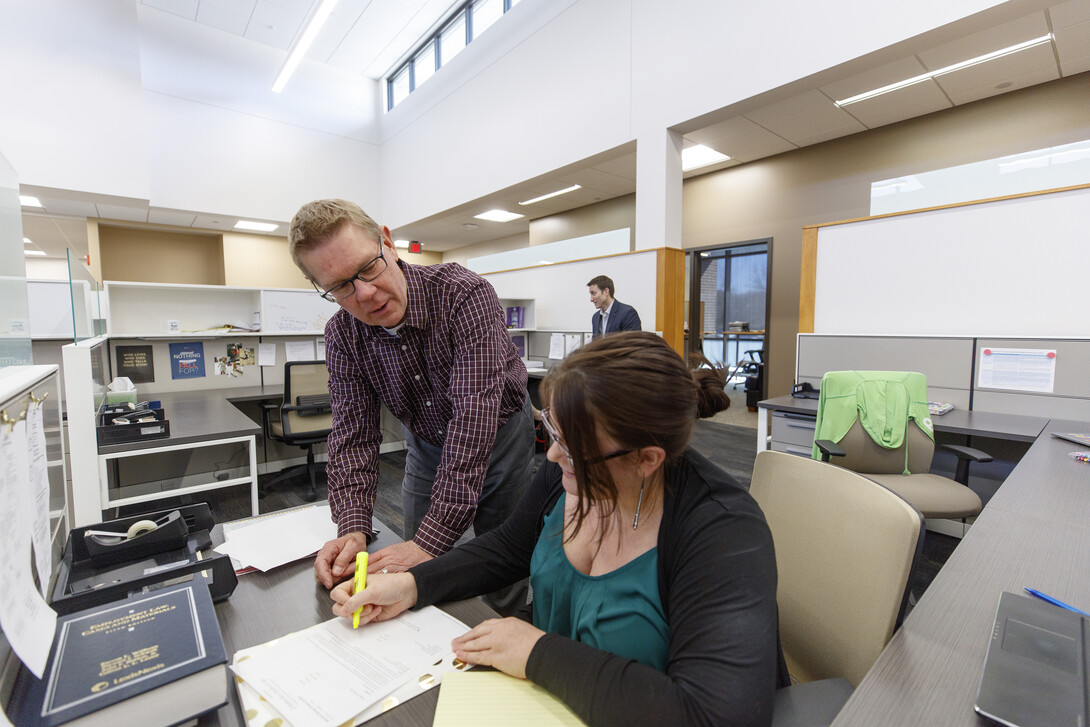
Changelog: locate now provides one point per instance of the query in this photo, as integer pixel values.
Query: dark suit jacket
(621, 318)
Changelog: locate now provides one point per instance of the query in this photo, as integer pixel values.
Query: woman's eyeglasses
(551, 429)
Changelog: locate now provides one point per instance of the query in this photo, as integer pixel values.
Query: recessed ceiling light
(498, 216)
(552, 194)
(33, 253)
(404, 244)
(947, 69)
(255, 226)
(27, 241)
(28, 201)
(303, 44)
(698, 155)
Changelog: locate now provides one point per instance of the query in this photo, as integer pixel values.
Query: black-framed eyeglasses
(550, 428)
(345, 288)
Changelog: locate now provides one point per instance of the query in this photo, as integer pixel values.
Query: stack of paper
(260, 543)
(487, 698)
(332, 674)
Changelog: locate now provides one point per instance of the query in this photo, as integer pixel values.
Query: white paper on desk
(325, 675)
(299, 350)
(39, 493)
(266, 354)
(277, 539)
(556, 345)
(1018, 369)
(28, 622)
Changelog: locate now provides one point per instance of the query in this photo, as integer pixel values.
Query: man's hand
(504, 644)
(337, 558)
(396, 558)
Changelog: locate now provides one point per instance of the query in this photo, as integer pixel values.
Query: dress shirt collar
(416, 313)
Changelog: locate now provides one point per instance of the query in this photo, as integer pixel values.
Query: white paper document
(572, 341)
(319, 349)
(27, 620)
(273, 540)
(39, 493)
(325, 675)
(556, 345)
(587, 338)
(299, 350)
(1017, 369)
(266, 354)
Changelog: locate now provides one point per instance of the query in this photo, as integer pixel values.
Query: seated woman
(653, 572)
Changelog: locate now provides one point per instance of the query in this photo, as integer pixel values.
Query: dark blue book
(153, 659)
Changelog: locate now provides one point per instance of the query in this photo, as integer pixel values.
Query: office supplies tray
(112, 433)
(172, 546)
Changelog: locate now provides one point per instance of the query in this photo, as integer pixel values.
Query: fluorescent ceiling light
(30, 253)
(255, 226)
(303, 44)
(699, 155)
(498, 216)
(948, 69)
(402, 244)
(27, 201)
(552, 194)
(27, 241)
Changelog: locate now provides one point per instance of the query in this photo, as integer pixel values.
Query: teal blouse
(619, 612)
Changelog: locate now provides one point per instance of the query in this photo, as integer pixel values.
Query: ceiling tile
(236, 7)
(806, 119)
(740, 139)
(274, 25)
(610, 185)
(1026, 68)
(624, 167)
(884, 75)
(70, 208)
(1069, 13)
(987, 41)
(1073, 44)
(222, 19)
(116, 212)
(906, 103)
(182, 8)
(171, 217)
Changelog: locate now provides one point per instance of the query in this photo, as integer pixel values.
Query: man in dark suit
(612, 315)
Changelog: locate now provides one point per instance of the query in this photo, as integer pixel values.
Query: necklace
(639, 504)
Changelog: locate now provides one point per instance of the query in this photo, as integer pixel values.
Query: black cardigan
(717, 582)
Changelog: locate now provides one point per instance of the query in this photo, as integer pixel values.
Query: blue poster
(187, 360)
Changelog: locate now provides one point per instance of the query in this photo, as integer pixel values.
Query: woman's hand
(503, 644)
(385, 596)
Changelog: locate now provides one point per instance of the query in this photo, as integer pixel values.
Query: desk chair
(846, 548)
(303, 419)
(877, 423)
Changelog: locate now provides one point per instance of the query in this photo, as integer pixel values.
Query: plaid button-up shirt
(451, 375)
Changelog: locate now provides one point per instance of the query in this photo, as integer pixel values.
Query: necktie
(604, 314)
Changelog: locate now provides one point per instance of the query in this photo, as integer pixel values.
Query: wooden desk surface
(265, 606)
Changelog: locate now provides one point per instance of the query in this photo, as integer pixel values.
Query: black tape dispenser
(141, 539)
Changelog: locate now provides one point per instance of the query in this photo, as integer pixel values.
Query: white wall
(605, 72)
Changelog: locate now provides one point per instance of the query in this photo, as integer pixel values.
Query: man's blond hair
(317, 221)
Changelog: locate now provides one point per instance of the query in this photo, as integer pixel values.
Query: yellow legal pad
(484, 698)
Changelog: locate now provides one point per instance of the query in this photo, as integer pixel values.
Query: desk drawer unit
(793, 433)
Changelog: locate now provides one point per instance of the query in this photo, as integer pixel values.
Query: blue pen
(1055, 601)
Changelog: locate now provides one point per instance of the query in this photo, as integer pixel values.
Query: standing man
(430, 343)
(612, 315)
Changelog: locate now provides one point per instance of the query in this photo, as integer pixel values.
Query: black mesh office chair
(303, 419)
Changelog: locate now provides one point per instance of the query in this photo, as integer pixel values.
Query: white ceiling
(794, 116)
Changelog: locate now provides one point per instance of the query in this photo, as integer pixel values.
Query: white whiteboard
(1015, 267)
(561, 299)
(295, 311)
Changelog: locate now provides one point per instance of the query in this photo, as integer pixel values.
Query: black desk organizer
(97, 569)
(110, 433)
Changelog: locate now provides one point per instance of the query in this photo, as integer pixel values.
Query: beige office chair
(896, 401)
(303, 419)
(845, 551)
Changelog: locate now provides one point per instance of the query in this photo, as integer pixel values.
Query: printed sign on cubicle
(187, 360)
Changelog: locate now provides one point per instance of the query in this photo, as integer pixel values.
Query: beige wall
(158, 255)
(775, 197)
(613, 214)
(259, 261)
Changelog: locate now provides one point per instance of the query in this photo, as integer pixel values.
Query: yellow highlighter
(360, 584)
